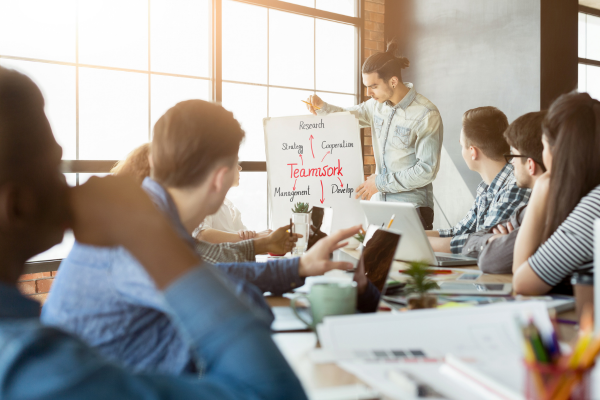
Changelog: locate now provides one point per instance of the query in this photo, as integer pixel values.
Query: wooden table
(296, 347)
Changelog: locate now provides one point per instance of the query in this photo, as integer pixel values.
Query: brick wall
(36, 286)
(373, 42)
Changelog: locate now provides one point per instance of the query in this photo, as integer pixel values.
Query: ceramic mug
(327, 299)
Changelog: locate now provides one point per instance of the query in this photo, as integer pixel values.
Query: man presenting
(407, 134)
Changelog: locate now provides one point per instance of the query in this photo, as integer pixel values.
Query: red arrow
(311, 149)
(322, 195)
(326, 156)
(302, 159)
(340, 181)
(297, 181)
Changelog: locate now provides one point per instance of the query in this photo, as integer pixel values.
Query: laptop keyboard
(442, 258)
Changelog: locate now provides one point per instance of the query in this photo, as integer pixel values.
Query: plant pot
(301, 225)
(419, 302)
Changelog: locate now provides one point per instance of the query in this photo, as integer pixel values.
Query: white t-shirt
(227, 219)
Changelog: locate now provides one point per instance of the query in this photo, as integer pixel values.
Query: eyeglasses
(509, 158)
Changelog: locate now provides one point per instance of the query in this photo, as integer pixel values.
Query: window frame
(216, 82)
(596, 13)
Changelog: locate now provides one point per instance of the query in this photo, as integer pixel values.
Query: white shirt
(227, 219)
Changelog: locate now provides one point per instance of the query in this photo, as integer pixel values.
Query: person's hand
(115, 211)
(541, 188)
(264, 233)
(278, 242)
(316, 261)
(108, 211)
(245, 235)
(367, 189)
(314, 100)
(503, 230)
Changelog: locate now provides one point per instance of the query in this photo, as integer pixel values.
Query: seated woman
(557, 234)
(226, 224)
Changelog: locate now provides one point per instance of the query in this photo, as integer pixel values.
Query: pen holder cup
(550, 382)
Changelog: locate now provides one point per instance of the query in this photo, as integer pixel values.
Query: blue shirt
(407, 144)
(494, 203)
(240, 358)
(105, 297)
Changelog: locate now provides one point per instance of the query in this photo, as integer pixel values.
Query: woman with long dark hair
(556, 238)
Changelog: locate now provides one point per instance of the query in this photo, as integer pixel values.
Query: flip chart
(314, 159)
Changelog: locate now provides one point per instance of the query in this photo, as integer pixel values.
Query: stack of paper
(485, 339)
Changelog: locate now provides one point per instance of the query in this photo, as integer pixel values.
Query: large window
(109, 69)
(589, 52)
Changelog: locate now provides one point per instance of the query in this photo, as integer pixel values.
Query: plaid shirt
(493, 203)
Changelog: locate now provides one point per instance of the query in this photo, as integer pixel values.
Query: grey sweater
(495, 257)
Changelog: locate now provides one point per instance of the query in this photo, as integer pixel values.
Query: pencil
(391, 221)
(291, 227)
(315, 107)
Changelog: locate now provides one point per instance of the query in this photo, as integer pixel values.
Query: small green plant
(360, 237)
(419, 282)
(301, 208)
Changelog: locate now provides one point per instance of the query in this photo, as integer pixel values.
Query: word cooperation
(332, 146)
(311, 126)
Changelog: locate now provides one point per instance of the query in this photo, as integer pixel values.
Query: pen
(315, 107)
(391, 221)
(434, 271)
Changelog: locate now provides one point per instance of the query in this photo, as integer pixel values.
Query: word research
(311, 126)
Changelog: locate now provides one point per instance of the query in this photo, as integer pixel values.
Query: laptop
(415, 245)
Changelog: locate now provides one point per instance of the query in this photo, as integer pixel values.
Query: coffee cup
(327, 299)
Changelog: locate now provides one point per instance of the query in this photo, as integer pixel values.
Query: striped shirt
(571, 246)
(494, 203)
(215, 253)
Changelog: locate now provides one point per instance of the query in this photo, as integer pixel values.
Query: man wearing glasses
(494, 247)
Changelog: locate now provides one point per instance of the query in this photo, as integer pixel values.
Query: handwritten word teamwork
(321, 171)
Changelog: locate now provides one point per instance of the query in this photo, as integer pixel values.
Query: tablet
(474, 288)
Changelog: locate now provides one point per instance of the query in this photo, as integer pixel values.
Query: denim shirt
(241, 360)
(104, 296)
(407, 144)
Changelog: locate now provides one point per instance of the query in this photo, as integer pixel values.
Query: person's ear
(394, 82)
(474, 153)
(221, 179)
(532, 167)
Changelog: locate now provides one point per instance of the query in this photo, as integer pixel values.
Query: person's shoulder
(422, 101)
(590, 203)
(88, 255)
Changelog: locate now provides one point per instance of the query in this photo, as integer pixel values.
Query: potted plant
(418, 285)
(301, 225)
(360, 238)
